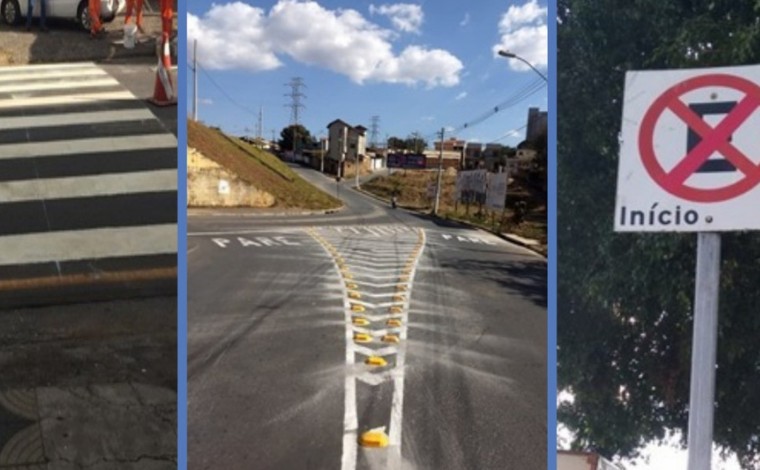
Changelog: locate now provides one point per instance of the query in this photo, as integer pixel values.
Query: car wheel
(10, 11)
(83, 15)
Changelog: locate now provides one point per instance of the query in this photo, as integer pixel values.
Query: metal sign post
(704, 346)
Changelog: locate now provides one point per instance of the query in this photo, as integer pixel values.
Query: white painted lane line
(22, 75)
(350, 449)
(78, 98)
(88, 186)
(397, 403)
(58, 85)
(75, 245)
(70, 119)
(77, 146)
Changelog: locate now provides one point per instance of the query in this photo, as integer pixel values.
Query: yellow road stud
(351, 285)
(376, 361)
(362, 338)
(357, 308)
(354, 295)
(401, 288)
(395, 309)
(398, 298)
(403, 278)
(374, 439)
(391, 339)
(360, 321)
(393, 322)
(347, 276)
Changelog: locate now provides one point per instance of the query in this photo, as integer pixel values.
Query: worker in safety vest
(96, 27)
(136, 7)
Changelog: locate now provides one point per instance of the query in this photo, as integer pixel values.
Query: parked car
(14, 11)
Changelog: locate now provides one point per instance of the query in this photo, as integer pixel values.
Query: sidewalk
(89, 386)
(106, 426)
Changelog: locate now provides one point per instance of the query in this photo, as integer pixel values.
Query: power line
(525, 92)
(222, 91)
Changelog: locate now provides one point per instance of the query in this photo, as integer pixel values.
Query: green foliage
(625, 301)
(300, 134)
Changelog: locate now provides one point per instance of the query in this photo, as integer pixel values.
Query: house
(536, 124)
(346, 143)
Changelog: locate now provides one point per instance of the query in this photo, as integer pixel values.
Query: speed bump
(375, 438)
(360, 321)
(376, 361)
(393, 322)
(391, 339)
(362, 338)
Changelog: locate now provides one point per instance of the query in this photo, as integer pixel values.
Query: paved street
(312, 339)
(87, 183)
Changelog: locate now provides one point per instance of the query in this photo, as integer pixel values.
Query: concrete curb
(87, 287)
(232, 212)
(528, 243)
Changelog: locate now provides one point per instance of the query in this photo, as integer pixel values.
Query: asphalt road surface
(313, 339)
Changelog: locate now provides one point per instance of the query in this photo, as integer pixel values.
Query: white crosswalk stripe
(88, 175)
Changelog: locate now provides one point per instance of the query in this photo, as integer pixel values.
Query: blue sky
(419, 66)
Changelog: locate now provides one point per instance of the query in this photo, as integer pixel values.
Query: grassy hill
(258, 167)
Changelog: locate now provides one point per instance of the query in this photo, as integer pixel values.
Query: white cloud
(461, 96)
(405, 17)
(466, 20)
(207, 101)
(523, 32)
(240, 36)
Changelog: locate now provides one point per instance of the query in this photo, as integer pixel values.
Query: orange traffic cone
(163, 90)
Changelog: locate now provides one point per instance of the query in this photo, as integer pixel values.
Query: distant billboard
(471, 186)
(407, 160)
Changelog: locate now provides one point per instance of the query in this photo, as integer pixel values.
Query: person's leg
(94, 8)
(129, 11)
(43, 15)
(139, 14)
(29, 12)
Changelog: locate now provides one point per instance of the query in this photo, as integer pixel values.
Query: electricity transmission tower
(374, 131)
(295, 105)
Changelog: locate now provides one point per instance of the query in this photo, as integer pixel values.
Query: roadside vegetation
(524, 215)
(260, 168)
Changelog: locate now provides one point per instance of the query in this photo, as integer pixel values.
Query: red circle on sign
(671, 97)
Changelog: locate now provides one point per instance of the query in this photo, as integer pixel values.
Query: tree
(302, 136)
(415, 143)
(396, 143)
(624, 304)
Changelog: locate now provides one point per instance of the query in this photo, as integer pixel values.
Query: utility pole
(374, 131)
(440, 175)
(195, 80)
(295, 105)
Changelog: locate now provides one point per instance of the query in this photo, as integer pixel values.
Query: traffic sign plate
(690, 151)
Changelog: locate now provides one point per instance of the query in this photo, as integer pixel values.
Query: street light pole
(440, 176)
(511, 55)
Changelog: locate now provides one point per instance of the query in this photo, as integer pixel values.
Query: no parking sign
(690, 151)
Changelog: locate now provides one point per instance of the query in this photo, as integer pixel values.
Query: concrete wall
(211, 185)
